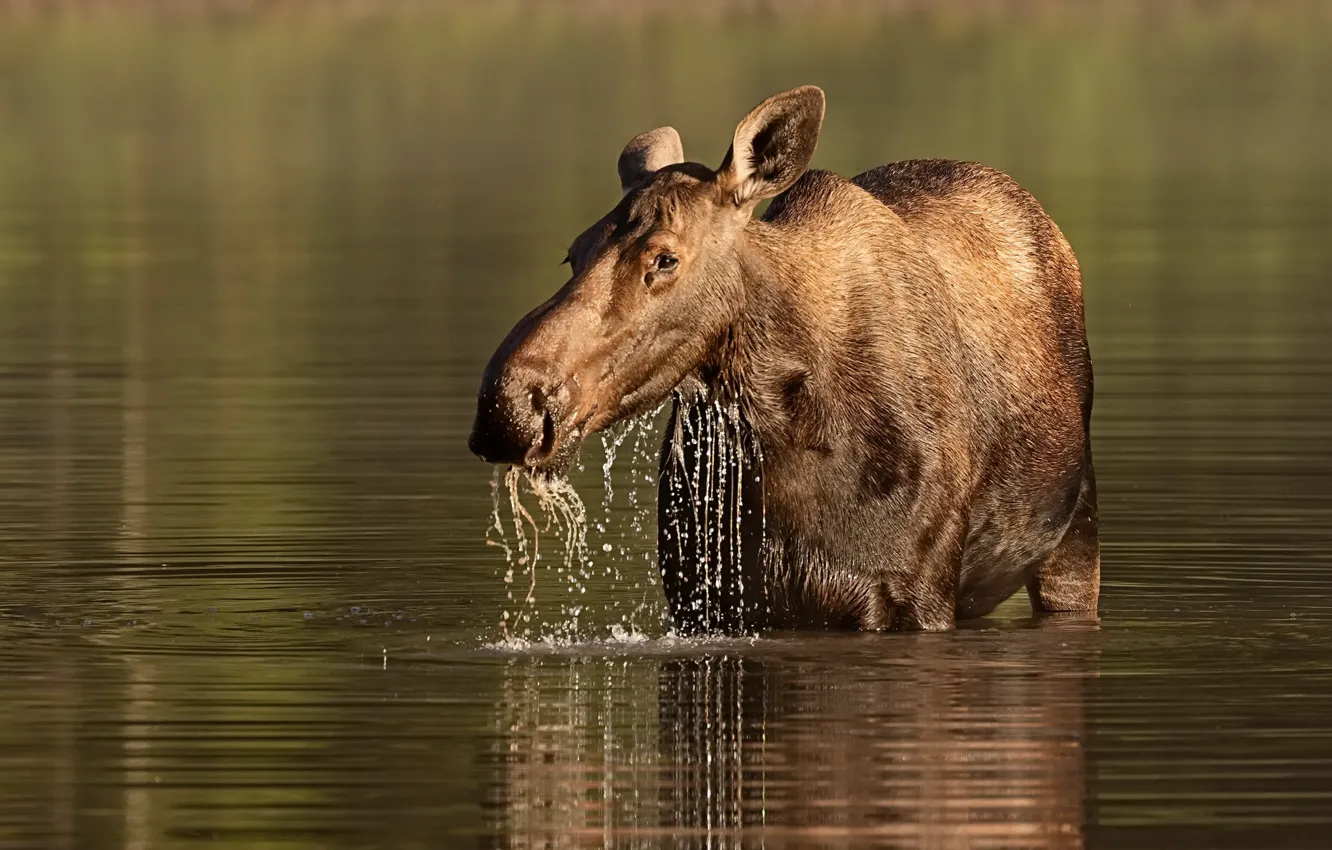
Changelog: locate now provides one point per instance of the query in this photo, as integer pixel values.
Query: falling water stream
(546, 538)
(554, 549)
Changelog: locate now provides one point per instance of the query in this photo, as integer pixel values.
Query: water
(251, 265)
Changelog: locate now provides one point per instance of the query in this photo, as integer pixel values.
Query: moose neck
(779, 357)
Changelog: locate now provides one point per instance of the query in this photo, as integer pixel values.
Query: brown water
(251, 266)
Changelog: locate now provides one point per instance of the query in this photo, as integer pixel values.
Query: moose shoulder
(901, 358)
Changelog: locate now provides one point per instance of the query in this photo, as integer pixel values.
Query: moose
(904, 359)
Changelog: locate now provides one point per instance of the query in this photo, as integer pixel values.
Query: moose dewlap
(899, 361)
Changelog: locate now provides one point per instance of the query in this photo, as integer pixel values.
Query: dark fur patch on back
(900, 183)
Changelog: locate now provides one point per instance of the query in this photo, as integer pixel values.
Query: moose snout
(519, 415)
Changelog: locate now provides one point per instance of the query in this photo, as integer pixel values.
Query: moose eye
(666, 262)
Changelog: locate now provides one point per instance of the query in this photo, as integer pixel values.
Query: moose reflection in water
(940, 743)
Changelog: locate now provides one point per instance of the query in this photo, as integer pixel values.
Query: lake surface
(251, 265)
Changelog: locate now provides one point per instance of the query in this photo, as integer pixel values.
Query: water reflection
(924, 741)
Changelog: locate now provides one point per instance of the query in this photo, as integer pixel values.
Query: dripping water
(708, 509)
(628, 550)
(542, 526)
(559, 503)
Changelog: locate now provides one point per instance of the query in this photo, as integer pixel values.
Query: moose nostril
(547, 433)
(538, 399)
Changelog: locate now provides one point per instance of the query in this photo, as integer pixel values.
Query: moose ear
(649, 152)
(773, 145)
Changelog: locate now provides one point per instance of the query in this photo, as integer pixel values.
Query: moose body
(904, 363)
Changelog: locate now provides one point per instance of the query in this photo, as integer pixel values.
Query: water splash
(541, 525)
(620, 565)
(559, 503)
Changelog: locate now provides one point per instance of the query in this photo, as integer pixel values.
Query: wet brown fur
(907, 353)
